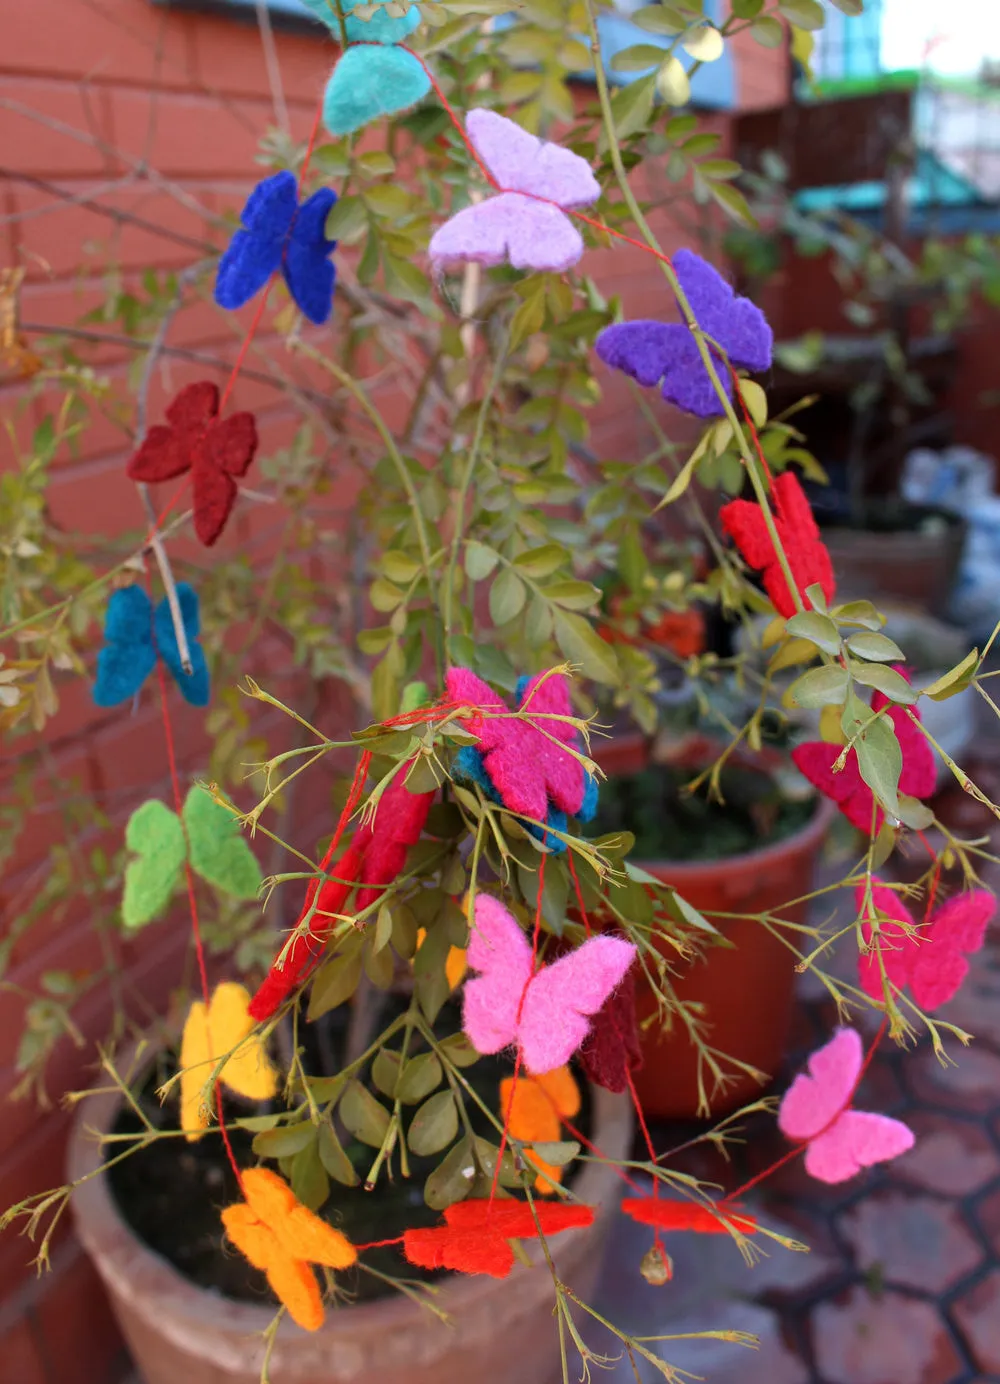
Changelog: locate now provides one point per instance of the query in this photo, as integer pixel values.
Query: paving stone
(976, 1007)
(987, 1213)
(913, 1241)
(971, 1085)
(950, 1156)
(977, 1313)
(888, 1339)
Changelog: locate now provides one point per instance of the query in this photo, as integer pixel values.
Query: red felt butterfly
(213, 449)
(665, 1214)
(475, 1236)
(808, 558)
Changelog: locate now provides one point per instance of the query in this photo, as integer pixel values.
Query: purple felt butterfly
(667, 351)
(513, 225)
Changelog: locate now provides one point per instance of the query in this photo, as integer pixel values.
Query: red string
(579, 892)
(751, 427)
(379, 1244)
(592, 1148)
(648, 1140)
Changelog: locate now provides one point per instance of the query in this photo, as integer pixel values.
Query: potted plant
(298, 1109)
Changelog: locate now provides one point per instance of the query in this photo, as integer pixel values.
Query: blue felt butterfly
(129, 653)
(280, 234)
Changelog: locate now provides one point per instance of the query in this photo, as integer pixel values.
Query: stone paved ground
(902, 1281)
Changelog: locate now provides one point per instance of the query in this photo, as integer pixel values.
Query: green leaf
(639, 58)
(421, 1076)
(819, 629)
(825, 686)
(816, 598)
(655, 19)
(334, 1159)
(792, 652)
(705, 44)
(558, 1154)
(747, 9)
(219, 852)
(430, 981)
(387, 199)
(458, 1050)
(399, 566)
(632, 564)
(541, 562)
(507, 597)
(309, 1180)
(955, 680)
(376, 164)
(753, 396)
(156, 837)
(385, 1071)
(383, 929)
(404, 280)
(733, 203)
(632, 106)
(380, 968)
(849, 7)
(877, 647)
(385, 595)
(285, 1141)
(347, 220)
(363, 1115)
(887, 680)
(580, 643)
(336, 982)
(452, 1179)
(529, 316)
(685, 475)
(880, 762)
(858, 613)
(480, 560)
(768, 32)
(805, 14)
(538, 622)
(672, 81)
(434, 1125)
(914, 814)
(573, 595)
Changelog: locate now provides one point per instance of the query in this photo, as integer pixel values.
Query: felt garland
(611, 1049)
(526, 223)
(276, 1233)
(666, 1214)
(931, 960)
(545, 1012)
(214, 450)
(476, 1234)
(520, 763)
(371, 863)
(808, 558)
(279, 233)
(135, 632)
(210, 1031)
(667, 353)
(209, 837)
(369, 81)
(534, 1108)
(917, 779)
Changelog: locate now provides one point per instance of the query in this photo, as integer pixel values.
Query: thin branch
(273, 67)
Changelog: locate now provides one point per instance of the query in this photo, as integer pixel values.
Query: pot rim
(116, 1247)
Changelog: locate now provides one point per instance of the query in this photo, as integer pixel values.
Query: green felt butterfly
(209, 837)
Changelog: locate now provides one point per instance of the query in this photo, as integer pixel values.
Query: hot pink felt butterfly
(816, 1109)
(547, 1014)
(932, 961)
(515, 225)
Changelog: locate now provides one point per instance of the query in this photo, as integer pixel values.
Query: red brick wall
(157, 113)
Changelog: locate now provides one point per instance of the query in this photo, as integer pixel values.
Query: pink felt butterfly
(816, 1109)
(932, 961)
(515, 225)
(547, 1014)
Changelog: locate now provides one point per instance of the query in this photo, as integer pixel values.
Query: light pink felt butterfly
(546, 1014)
(932, 961)
(513, 225)
(816, 1109)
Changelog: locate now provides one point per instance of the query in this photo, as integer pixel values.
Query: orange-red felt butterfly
(665, 1214)
(476, 1234)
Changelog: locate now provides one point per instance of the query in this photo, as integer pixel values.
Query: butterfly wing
(737, 325)
(232, 443)
(194, 686)
(563, 998)
(308, 269)
(214, 493)
(815, 759)
(499, 950)
(128, 657)
(856, 1140)
(686, 382)
(918, 777)
(465, 688)
(528, 234)
(642, 349)
(370, 81)
(899, 949)
(963, 920)
(816, 1096)
(958, 927)
(522, 163)
(255, 253)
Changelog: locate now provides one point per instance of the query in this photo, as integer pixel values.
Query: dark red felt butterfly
(213, 449)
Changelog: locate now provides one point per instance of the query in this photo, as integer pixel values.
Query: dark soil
(171, 1193)
(670, 823)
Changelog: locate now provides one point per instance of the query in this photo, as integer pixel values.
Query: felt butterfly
(210, 1032)
(666, 353)
(476, 1234)
(816, 1109)
(534, 1108)
(215, 450)
(372, 80)
(525, 223)
(930, 961)
(918, 778)
(521, 763)
(129, 654)
(276, 1233)
(611, 1050)
(665, 1213)
(380, 27)
(280, 234)
(805, 550)
(546, 1013)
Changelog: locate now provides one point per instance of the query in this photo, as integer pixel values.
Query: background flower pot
(746, 989)
(912, 565)
(180, 1333)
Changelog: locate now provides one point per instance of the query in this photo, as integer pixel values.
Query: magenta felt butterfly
(848, 789)
(546, 1013)
(514, 225)
(816, 1109)
(932, 961)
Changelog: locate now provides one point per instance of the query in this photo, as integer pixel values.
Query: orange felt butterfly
(535, 1109)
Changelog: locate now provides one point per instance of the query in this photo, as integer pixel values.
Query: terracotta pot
(179, 1333)
(912, 566)
(746, 989)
